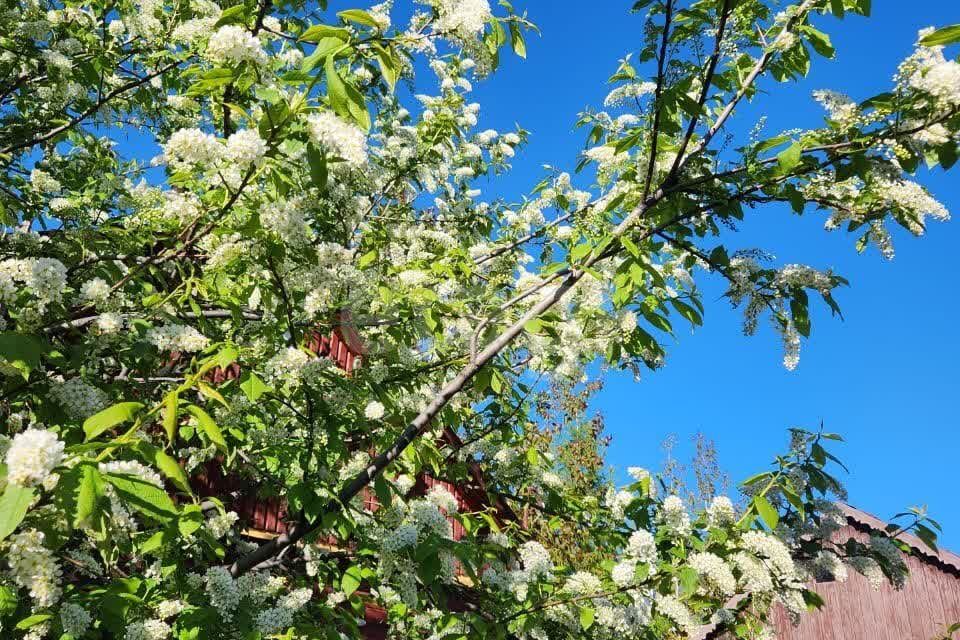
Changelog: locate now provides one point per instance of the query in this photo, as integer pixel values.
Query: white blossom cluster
(32, 456)
(286, 219)
(221, 524)
(927, 70)
(34, 567)
(462, 17)
(45, 278)
(148, 630)
(673, 517)
(715, 573)
(338, 138)
(628, 92)
(132, 468)
(720, 512)
(280, 617)
(176, 337)
(232, 44)
(95, 291)
(245, 147)
(188, 147)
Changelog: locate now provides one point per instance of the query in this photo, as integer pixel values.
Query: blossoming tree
(190, 188)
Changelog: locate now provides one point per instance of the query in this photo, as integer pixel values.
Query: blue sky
(884, 377)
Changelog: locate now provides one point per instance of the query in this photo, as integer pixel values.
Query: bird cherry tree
(190, 187)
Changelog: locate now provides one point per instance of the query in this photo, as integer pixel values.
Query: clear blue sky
(885, 377)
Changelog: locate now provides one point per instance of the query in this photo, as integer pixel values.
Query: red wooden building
(853, 610)
(266, 516)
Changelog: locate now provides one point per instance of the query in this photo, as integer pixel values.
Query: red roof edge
(945, 560)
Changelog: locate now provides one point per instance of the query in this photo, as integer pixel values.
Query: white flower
(673, 517)
(618, 502)
(169, 608)
(94, 291)
(442, 498)
(245, 147)
(772, 549)
(675, 611)
(34, 567)
(110, 322)
(338, 137)
(32, 455)
(623, 573)
(754, 576)
(868, 568)
(628, 92)
(221, 524)
(583, 583)
(132, 468)
(714, 572)
(148, 630)
(286, 219)
(642, 547)
(234, 44)
(466, 17)
(535, 559)
(720, 512)
(175, 337)
(374, 410)
(192, 146)
(43, 181)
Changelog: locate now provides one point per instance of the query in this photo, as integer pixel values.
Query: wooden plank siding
(854, 610)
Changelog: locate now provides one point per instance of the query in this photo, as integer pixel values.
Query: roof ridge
(870, 521)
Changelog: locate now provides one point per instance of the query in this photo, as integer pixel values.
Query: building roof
(854, 611)
(945, 560)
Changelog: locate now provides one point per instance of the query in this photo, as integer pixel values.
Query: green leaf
(942, 36)
(34, 620)
(252, 386)
(318, 167)
(8, 600)
(819, 41)
(789, 157)
(346, 101)
(89, 494)
(359, 16)
(22, 352)
(167, 465)
(208, 426)
(13, 507)
(110, 417)
(389, 65)
(232, 15)
(318, 32)
(170, 405)
(766, 511)
(350, 580)
(928, 536)
(517, 41)
(688, 312)
(587, 615)
(143, 496)
(689, 579)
